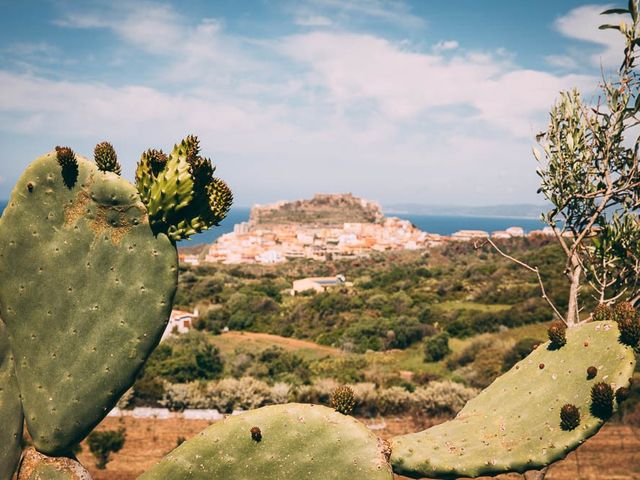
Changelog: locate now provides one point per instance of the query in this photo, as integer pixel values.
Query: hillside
(322, 209)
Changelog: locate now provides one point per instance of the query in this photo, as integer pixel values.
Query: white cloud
(444, 45)
(356, 68)
(393, 12)
(582, 24)
(314, 21)
(565, 62)
(328, 110)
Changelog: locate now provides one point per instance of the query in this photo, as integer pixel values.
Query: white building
(319, 284)
(515, 231)
(179, 322)
(467, 235)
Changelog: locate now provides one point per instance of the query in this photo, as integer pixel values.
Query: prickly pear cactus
(515, 424)
(180, 192)
(279, 442)
(87, 290)
(36, 466)
(11, 419)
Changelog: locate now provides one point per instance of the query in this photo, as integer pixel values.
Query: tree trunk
(573, 312)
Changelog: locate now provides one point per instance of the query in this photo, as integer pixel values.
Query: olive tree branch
(535, 270)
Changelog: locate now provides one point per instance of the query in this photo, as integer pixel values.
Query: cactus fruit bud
(623, 310)
(343, 400)
(622, 394)
(106, 158)
(256, 434)
(66, 158)
(157, 160)
(220, 198)
(602, 312)
(591, 372)
(630, 331)
(569, 417)
(557, 334)
(192, 143)
(602, 400)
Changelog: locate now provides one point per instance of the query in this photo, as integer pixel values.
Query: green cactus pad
(514, 424)
(11, 419)
(181, 194)
(87, 292)
(296, 442)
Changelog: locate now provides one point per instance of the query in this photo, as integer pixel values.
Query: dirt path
(292, 343)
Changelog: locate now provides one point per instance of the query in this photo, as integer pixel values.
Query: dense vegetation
(396, 299)
(409, 320)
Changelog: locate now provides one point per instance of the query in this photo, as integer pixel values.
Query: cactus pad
(181, 194)
(11, 418)
(514, 425)
(86, 295)
(297, 442)
(36, 466)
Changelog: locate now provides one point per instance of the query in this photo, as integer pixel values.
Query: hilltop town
(328, 226)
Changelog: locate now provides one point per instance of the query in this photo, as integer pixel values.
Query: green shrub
(442, 398)
(104, 442)
(345, 369)
(436, 347)
(186, 358)
(486, 367)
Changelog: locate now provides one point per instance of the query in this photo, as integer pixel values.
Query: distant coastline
(443, 224)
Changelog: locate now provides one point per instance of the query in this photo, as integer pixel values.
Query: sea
(442, 224)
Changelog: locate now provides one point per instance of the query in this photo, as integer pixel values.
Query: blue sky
(432, 102)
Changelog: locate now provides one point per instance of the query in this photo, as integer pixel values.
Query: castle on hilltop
(330, 226)
(324, 209)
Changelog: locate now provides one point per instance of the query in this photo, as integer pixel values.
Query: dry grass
(613, 454)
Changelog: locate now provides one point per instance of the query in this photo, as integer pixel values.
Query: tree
(436, 347)
(103, 443)
(186, 358)
(589, 172)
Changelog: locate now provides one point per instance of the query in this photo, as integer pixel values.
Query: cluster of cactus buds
(557, 334)
(65, 157)
(69, 165)
(622, 394)
(343, 400)
(602, 400)
(180, 192)
(623, 311)
(602, 312)
(106, 158)
(569, 417)
(256, 434)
